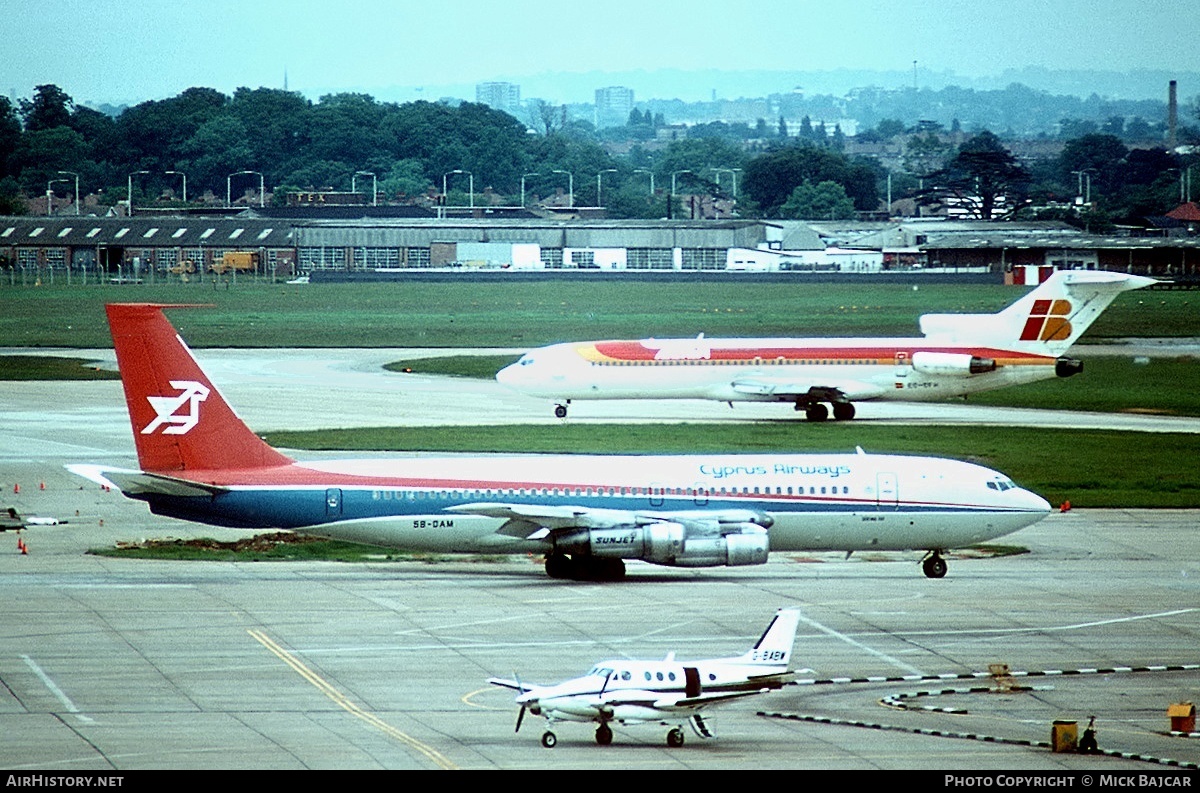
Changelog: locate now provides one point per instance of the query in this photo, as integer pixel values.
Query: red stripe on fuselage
(633, 351)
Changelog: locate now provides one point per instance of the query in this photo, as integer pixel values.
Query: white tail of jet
(1046, 321)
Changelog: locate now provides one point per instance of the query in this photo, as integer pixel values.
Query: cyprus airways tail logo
(1048, 321)
(167, 408)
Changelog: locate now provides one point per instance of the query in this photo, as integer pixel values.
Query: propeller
(520, 718)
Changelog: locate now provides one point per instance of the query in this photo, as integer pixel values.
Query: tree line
(411, 150)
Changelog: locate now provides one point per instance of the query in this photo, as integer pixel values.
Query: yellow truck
(239, 261)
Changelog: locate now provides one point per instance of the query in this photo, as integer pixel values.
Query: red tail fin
(180, 421)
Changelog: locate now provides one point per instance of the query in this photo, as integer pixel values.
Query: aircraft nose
(508, 375)
(1032, 502)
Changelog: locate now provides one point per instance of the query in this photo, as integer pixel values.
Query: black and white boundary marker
(896, 701)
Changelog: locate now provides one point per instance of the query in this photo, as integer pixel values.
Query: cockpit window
(525, 360)
(1001, 483)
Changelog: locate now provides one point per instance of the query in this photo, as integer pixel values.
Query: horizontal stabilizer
(139, 482)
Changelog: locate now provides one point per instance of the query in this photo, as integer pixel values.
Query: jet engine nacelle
(1066, 367)
(671, 544)
(951, 364)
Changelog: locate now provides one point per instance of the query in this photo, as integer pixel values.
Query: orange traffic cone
(1066, 507)
(16, 488)
(41, 486)
(22, 547)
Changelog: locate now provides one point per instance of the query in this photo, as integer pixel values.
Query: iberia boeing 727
(959, 354)
(586, 514)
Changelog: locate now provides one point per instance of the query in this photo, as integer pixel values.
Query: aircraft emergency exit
(586, 514)
(667, 692)
(959, 354)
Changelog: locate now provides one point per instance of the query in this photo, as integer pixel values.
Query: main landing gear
(604, 734)
(584, 568)
(560, 410)
(933, 565)
(816, 411)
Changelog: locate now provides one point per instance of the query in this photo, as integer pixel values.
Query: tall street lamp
(184, 175)
(50, 195)
(374, 186)
(647, 170)
(673, 175)
(77, 201)
(570, 188)
(523, 185)
(732, 172)
(471, 178)
(229, 182)
(129, 188)
(600, 203)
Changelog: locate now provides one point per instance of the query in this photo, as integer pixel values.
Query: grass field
(521, 314)
(1089, 468)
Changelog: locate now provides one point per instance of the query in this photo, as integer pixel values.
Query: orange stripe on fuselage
(634, 352)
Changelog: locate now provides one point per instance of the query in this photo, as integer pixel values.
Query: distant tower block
(1172, 115)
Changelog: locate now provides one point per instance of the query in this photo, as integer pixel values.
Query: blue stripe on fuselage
(290, 508)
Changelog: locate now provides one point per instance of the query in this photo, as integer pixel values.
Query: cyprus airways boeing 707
(959, 354)
(586, 514)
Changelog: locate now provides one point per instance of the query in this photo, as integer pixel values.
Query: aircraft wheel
(549, 739)
(604, 735)
(934, 566)
(816, 412)
(675, 738)
(843, 411)
(560, 565)
(560, 411)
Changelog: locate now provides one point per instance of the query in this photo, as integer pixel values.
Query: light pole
(673, 175)
(374, 186)
(600, 203)
(523, 186)
(50, 195)
(647, 170)
(129, 188)
(229, 182)
(72, 173)
(471, 178)
(184, 175)
(570, 188)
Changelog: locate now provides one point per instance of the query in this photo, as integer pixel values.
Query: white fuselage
(768, 370)
(814, 502)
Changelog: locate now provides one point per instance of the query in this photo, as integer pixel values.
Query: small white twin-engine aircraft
(959, 354)
(667, 692)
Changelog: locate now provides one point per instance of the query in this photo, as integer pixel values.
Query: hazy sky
(133, 50)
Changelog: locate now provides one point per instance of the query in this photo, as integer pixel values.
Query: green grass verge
(272, 547)
(530, 313)
(1089, 468)
(51, 367)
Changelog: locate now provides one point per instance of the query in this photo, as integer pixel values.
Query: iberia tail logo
(1048, 321)
(167, 407)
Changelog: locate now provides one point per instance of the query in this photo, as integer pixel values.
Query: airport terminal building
(375, 248)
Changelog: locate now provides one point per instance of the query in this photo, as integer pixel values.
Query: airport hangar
(148, 247)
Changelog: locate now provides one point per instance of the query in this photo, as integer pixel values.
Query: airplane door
(700, 494)
(903, 364)
(333, 502)
(887, 491)
(656, 494)
(691, 679)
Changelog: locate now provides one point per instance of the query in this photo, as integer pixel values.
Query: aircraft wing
(822, 390)
(12, 520)
(515, 685)
(694, 703)
(527, 520)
